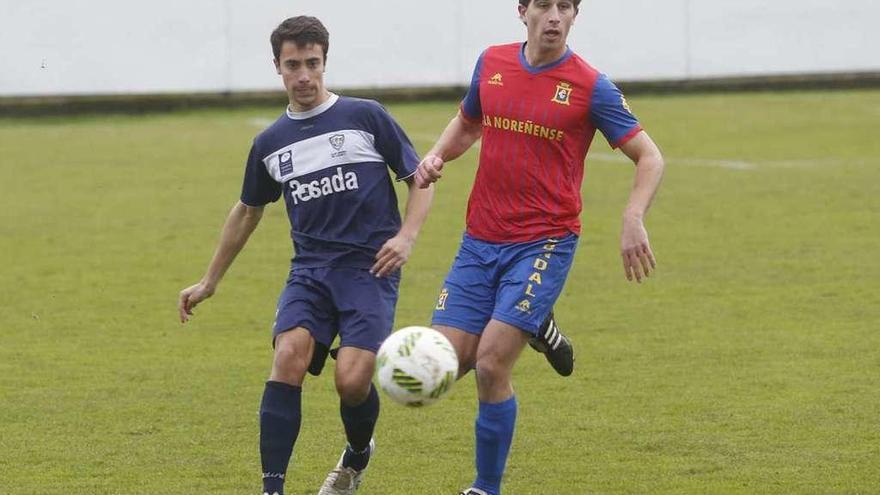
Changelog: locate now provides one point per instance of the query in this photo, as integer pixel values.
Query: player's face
(302, 71)
(548, 22)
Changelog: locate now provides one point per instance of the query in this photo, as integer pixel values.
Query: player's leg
(500, 346)
(359, 409)
(281, 406)
(359, 403)
(555, 346)
(467, 300)
(465, 345)
(531, 279)
(365, 305)
(303, 320)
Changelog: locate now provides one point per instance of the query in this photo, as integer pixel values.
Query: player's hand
(638, 259)
(394, 253)
(429, 171)
(190, 297)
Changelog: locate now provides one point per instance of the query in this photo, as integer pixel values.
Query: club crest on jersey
(285, 164)
(337, 141)
(496, 80)
(563, 93)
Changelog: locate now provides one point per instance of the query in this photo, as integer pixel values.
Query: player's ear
(277, 66)
(522, 13)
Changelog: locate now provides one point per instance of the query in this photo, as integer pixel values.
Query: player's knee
(488, 369)
(492, 370)
(353, 388)
(290, 363)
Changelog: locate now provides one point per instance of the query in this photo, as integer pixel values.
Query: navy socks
(359, 422)
(280, 419)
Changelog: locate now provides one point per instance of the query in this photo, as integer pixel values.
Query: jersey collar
(323, 107)
(541, 68)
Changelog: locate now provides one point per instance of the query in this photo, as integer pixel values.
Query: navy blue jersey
(331, 165)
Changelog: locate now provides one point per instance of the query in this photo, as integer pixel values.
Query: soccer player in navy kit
(536, 106)
(328, 156)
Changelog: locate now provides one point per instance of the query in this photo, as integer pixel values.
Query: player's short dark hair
(525, 3)
(302, 30)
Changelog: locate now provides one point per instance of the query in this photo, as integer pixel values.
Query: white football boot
(473, 491)
(344, 480)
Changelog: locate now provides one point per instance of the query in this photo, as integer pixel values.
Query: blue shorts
(331, 301)
(516, 283)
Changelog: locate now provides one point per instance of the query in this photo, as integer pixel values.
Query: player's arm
(393, 144)
(240, 223)
(458, 137)
(638, 259)
(462, 132)
(395, 252)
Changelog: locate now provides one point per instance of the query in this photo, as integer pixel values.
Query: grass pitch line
(731, 164)
(696, 162)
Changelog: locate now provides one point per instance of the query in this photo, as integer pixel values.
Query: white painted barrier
(57, 47)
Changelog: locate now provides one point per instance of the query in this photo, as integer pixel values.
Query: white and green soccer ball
(416, 366)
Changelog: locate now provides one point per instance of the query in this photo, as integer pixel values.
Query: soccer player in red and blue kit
(330, 158)
(536, 105)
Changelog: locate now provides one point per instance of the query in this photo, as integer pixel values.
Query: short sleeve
(393, 144)
(611, 114)
(258, 187)
(470, 106)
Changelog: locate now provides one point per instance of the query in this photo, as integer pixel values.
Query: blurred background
(105, 47)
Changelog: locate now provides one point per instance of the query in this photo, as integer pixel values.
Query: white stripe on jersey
(328, 150)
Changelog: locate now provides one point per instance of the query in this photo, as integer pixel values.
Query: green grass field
(750, 364)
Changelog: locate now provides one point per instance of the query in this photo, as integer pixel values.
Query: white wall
(112, 46)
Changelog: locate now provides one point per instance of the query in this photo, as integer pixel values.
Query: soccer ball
(416, 366)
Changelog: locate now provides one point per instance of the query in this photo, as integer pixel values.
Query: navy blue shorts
(516, 283)
(331, 301)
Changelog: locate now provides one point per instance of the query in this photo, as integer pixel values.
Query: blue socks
(359, 422)
(280, 419)
(494, 428)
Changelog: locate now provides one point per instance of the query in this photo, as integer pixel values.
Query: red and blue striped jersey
(538, 123)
